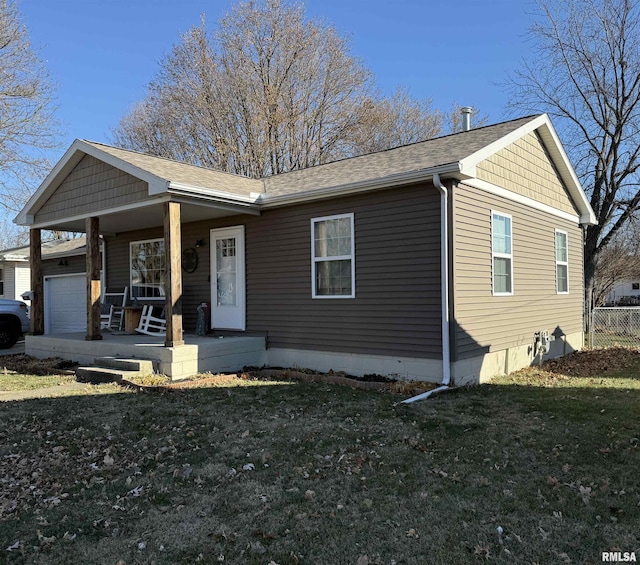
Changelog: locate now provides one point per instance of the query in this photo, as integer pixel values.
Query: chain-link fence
(615, 327)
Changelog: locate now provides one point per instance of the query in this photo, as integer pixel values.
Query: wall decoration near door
(189, 260)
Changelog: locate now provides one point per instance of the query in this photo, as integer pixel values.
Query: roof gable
(525, 168)
(161, 175)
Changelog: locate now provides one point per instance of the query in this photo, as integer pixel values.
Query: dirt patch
(27, 365)
(369, 382)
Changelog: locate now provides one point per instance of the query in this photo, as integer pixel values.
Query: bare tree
(586, 72)
(393, 121)
(27, 126)
(619, 262)
(269, 91)
(12, 235)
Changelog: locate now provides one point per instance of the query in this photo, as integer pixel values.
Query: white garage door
(65, 306)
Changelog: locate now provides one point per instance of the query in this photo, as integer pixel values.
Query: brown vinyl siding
(90, 187)
(525, 168)
(75, 264)
(484, 322)
(396, 310)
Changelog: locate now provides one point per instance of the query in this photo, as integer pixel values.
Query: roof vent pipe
(466, 117)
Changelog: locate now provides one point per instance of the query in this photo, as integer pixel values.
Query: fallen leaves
(594, 362)
(585, 493)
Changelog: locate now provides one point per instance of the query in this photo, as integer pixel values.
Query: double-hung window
(147, 265)
(1, 282)
(501, 254)
(562, 263)
(333, 257)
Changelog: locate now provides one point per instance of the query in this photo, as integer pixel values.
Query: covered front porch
(198, 354)
(140, 205)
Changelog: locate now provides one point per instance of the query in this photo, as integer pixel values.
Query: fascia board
(559, 156)
(51, 182)
(211, 193)
(107, 211)
(450, 169)
(234, 207)
(14, 258)
(26, 216)
(552, 142)
(520, 199)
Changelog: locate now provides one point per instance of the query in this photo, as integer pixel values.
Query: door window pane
(226, 271)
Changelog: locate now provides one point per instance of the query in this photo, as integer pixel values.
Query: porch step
(96, 375)
(143, 366)
(114, 369)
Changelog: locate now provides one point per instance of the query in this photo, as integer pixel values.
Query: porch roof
(205, 193)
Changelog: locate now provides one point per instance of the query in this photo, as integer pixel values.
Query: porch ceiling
(148, 215)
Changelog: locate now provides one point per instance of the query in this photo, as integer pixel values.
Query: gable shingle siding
(524, 167)
(90, 187)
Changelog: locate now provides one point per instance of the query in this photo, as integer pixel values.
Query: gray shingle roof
(417, 156)
(56, 247)
(183, 173)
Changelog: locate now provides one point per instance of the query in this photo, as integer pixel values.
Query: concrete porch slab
(197, 355)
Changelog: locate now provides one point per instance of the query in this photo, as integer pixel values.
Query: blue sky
(102, 53)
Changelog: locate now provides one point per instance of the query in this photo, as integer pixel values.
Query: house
(64, 265)
(448, 260)
(625, 293)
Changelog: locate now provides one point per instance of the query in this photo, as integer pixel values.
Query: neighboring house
(625, 293)
(14, 272)
(64, 270)
(437, 260)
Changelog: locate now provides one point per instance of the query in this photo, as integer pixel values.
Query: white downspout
(444, 285)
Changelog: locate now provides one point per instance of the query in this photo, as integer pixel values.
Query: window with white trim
(333, 257)
(501, 254)
(147, 265)
(1, 282)
(562, 262)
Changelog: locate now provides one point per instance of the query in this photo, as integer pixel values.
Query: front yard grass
(292, 473)
(21, 372)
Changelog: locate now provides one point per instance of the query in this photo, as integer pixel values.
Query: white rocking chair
(150, 324)
(112, 309)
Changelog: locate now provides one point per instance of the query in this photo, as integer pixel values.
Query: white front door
(227, 278)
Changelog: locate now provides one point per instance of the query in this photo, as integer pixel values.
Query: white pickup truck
(14, 321)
